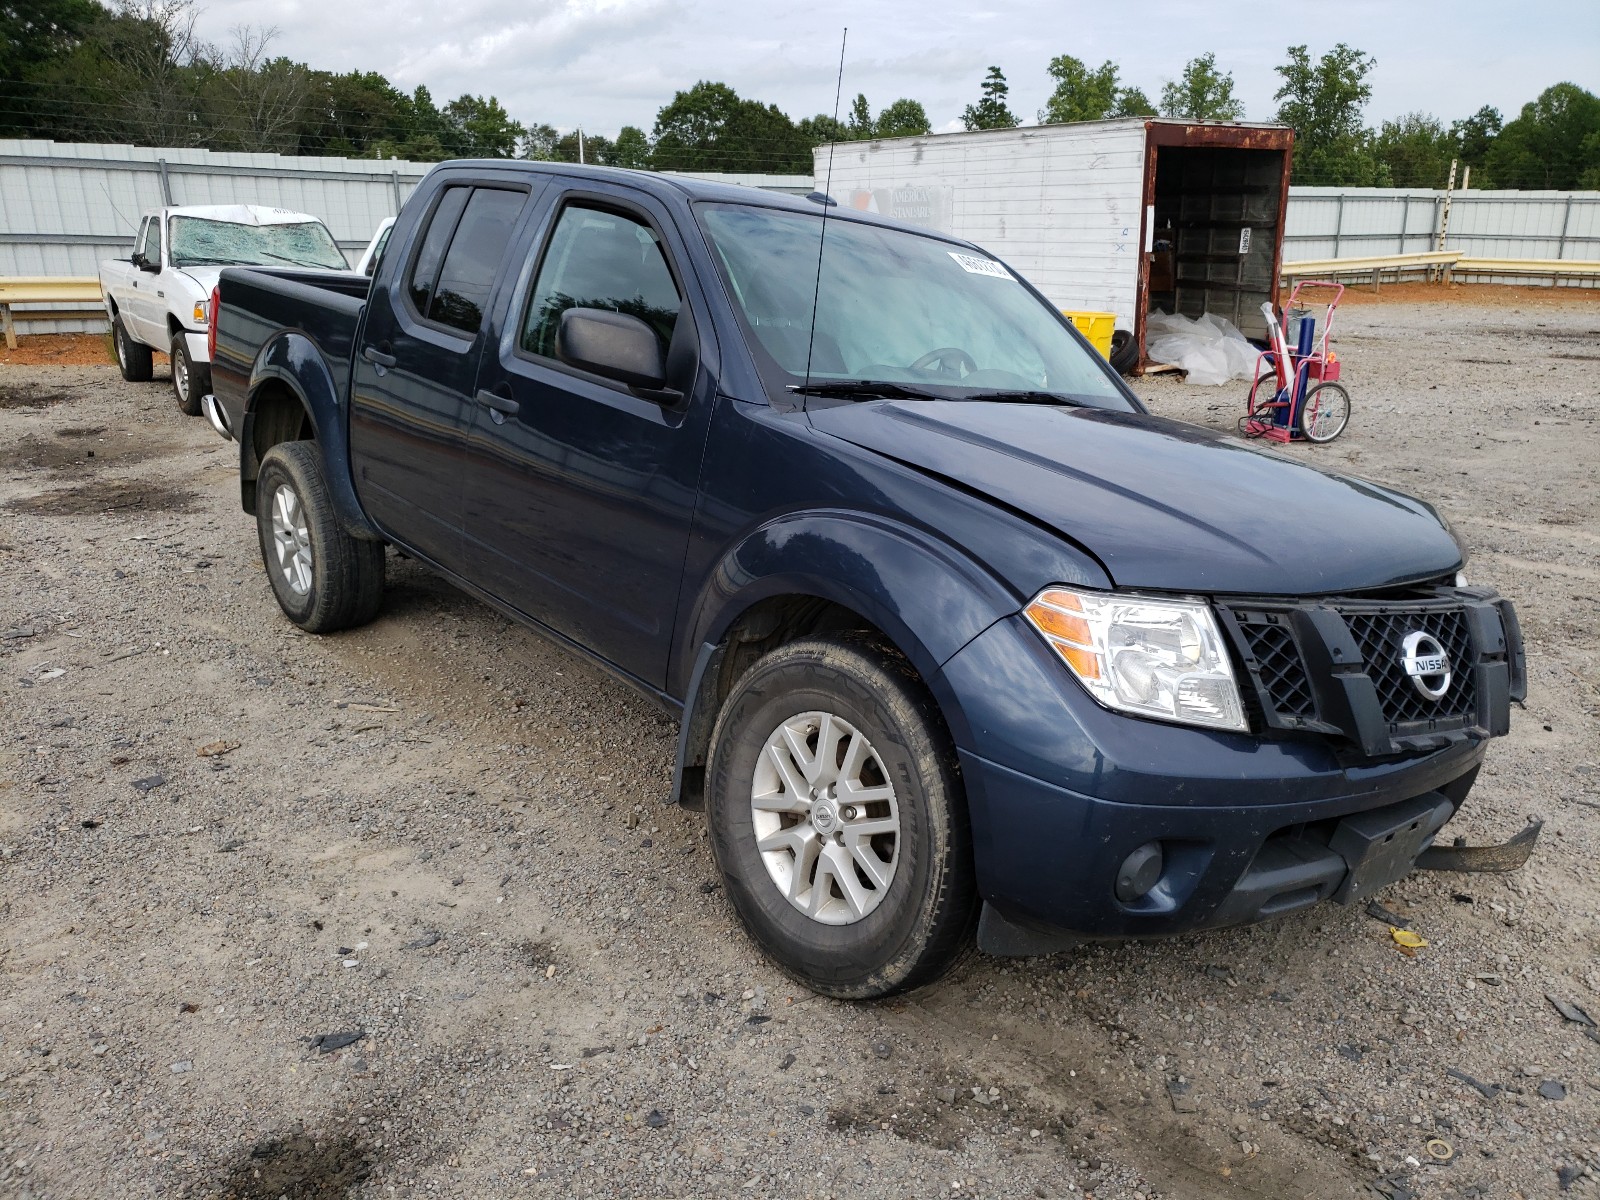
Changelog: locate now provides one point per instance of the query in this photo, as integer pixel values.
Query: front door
(145, 312)
(415, 367)
(580, 490)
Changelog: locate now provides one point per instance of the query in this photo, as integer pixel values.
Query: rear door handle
(495, 402)
(373, 355)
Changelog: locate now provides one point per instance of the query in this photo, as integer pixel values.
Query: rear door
(580, 490)
(417, 362)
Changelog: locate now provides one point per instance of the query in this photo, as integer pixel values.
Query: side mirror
(612, 344)
(146, 265)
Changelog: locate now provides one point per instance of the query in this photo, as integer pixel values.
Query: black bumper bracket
(1507, 856)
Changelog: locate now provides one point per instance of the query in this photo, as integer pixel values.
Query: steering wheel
(944, 356)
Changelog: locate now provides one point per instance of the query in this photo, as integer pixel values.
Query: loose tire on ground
(190, 380)
(908, 927)
(132, 357)
(324, 579)
(1124, 351)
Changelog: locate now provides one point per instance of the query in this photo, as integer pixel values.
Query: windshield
(895, 307)
(200, 241)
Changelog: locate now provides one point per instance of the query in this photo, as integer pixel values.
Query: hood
(204, 278)
(1163, 504)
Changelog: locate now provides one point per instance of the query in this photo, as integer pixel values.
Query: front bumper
(199, 351)
(1062, 791)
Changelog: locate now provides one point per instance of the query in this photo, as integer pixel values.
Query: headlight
(1154, 658)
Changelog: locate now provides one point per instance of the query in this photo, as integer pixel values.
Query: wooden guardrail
(1445, 262)
(38, 289)
(1550, 268)
(1376, 266)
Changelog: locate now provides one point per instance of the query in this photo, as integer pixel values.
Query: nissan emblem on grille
(1427, 664)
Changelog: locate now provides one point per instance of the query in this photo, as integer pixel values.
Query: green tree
(1202, 94)
(904, 118)
(711, 128)
(1553, 143)
(597, 149)
(1080, 94)
(480, 128)
(991, 112)
(1132, 102)
(1323, 101)
(1474, 135)
(822, 129)
(632, 148)
(860, 125)
(34, 34)
(539, 142)
(1414, 151)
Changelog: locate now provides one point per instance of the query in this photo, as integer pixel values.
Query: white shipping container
(1120, 216)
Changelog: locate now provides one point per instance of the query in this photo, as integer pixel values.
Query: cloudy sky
(606, 63)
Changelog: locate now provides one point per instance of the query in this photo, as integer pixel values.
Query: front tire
(838, 819)
(1324, 412)
(324, 579)
(133, 358)
(190, 380)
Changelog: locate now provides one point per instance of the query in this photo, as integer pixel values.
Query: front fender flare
(926, 596)
(293, 360)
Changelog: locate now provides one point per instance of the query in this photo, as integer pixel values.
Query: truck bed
(325, 306)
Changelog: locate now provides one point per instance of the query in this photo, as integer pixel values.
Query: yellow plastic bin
(1096, 326)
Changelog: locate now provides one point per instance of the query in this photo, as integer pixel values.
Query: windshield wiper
(1024, 397)
(879, 389)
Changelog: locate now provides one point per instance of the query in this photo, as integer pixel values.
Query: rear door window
(441, 226)
(476, 252)
(462, 249)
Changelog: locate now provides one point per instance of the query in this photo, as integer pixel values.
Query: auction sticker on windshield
(975, 265)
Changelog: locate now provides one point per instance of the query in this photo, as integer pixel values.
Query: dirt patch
(69, 456)
(80, 431)
(59, 350)
(105, 496)
(30, 396)
(299, 1166)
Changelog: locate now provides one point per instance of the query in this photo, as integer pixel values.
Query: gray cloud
(606, 63)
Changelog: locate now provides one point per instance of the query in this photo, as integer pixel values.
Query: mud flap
(1507, 856)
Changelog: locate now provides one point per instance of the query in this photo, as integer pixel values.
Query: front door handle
(495, 402)
(377, 357)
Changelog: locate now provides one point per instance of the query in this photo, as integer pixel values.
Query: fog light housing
(1139, 872)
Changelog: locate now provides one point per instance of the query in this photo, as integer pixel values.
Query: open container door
(1212, 234)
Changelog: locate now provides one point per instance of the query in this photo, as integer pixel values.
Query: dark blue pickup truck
(960, 635)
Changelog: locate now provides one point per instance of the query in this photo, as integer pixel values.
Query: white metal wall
(65, 207)
(1356, 222)
(1060, 203)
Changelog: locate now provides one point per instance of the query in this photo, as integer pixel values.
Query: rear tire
(882, 804)
(132, 357)
(323, 579)
(190, 380)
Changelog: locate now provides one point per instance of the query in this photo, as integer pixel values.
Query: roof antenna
(816, 290)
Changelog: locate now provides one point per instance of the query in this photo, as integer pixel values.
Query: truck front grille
(1379, 635)
(1282, 672)
(1307, 665)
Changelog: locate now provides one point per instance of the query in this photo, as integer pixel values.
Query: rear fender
(292, 361)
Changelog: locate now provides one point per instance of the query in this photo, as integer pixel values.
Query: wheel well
(277, 415)
(757, 631)
(174, 327)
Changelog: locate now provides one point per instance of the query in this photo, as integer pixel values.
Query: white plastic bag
(1211, 350)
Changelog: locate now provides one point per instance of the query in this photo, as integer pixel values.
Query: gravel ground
(438, 844)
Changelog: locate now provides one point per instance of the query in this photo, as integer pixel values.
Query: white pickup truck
(159, 298)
